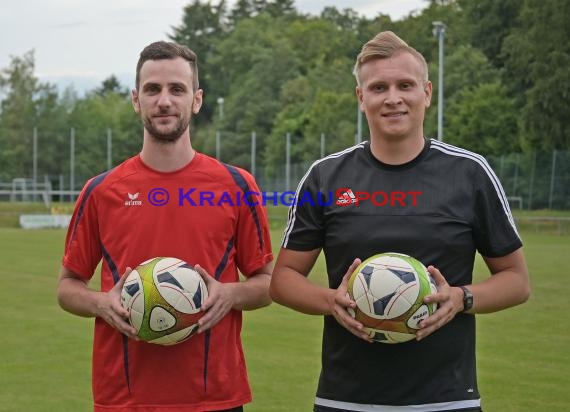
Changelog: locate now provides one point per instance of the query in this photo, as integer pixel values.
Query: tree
(488, 22)
(506, 71)
(537, 60)
(252, 63)
(277, 8)
(243, 9)
(417, 29)
(91, 119)
(347, 21)
(20, 87)
(466, 68)
(201, 29)
(320, 99)
(111, 85)
(201, 23)
(27, 104)
(483, 119)
(319, 42)
(334, 116)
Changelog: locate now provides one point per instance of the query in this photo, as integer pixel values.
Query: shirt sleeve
(305, 223)
(82, 245)
(253, 241)
(495, 231)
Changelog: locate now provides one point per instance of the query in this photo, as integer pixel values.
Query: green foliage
(317, 42)
(21, 87)
(261, 63)
(483, 119)
(92, 119)
(31, 104)
(540, 179)
(329, 115)
(537, 56)
(244, 9)
(488, 22)
(111, 85)
(346, 21)
(201, 29)
(417, 29)
(465, 69)
(506, 73)
(19, 114)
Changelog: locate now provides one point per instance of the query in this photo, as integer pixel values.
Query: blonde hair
(384, 45)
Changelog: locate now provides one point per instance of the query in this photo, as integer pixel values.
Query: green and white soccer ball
(389, 289)
(164, 297)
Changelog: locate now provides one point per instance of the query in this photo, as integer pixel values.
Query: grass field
(523, 355)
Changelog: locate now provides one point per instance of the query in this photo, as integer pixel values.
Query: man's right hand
(110, 309)
(340, 303)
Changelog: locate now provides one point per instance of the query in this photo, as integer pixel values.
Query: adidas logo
(347, 198)
(133, 200)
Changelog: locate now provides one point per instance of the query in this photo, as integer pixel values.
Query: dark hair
(162, 50)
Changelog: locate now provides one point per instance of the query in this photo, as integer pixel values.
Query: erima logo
(133, 200)
(347, 198)
(419, 315)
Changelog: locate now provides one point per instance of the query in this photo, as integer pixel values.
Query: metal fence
(536, 180)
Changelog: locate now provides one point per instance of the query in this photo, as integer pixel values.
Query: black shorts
(238, 409)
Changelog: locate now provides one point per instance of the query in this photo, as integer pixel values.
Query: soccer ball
(164, 296)
(389, 289)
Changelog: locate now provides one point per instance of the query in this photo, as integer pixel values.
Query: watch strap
(467, 298)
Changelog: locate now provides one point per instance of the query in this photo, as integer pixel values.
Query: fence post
(61, 187)
(288, 162)
(501, 166)
(516, 177)
(35, 161)
(358, 124)
(71, 164)
(218, 143)
(552, 179)
(533, 168)
(109, 149)
(253, 148)
(322, 145)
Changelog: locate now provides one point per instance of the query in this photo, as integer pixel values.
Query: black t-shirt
(440, 208)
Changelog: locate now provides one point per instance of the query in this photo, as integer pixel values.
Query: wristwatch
(467, 298)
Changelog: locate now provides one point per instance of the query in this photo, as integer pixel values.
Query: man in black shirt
(400, 192)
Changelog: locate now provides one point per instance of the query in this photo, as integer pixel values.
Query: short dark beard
(168, 137)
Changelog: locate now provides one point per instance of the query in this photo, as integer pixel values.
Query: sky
(81, 43)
